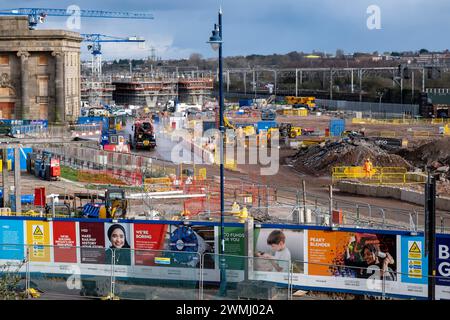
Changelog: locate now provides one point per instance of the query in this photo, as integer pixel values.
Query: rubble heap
(320, 159)
(435, 154)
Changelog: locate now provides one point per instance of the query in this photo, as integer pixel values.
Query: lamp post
(216, 43)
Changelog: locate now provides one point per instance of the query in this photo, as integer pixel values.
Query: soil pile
(435, 153)
(320, 159)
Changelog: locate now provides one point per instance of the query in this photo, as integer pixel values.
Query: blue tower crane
(96, 49)
(38, 15)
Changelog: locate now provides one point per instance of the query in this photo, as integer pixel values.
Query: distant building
(39, 72)
(156, 91)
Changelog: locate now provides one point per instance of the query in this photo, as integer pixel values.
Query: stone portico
(39, 72)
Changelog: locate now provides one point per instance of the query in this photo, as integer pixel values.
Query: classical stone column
(24, 113)
(59, 84)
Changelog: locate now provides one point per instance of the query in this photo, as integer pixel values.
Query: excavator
(247, 130)
(115, 206)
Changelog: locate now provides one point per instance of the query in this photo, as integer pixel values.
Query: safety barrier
(378, 175)
(387, 134)
(400, 121)
(296, 112)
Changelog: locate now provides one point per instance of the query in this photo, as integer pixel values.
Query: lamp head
(215, 40)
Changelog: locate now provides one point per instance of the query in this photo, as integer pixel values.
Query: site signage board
(65, 241)
(12, 240)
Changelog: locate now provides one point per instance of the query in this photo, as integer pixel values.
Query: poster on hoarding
(65, 241)
(11, 233)
(117, 239)
(187, 243)
(38, 237)
(443, 260)
(276, 249)
(443, 267)
(414, 264)
(352, 254)
(148, 240)
(92, 241)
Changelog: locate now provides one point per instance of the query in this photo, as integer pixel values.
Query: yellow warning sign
(37, 231)
(415, 268)
(38, 240)
(414, 251)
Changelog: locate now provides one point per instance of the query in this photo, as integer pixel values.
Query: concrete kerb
(416, 197)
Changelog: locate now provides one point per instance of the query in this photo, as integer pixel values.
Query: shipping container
(337, 127)
(265, 125)
(23, 157)
(26, 199)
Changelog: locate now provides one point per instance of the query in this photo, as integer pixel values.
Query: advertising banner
(38, 237)
(443, 267)
(64, 235)
(277, 249)
(351, 254)
(148, 237)
(235, 246)
(92, 241)
(11, 232)
(192, 241)
(117, 238)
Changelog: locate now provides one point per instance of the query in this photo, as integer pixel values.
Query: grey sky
(182, 27)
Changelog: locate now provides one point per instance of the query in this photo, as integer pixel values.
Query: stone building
(39, 72)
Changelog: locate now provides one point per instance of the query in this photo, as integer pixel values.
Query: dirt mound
(435, 151)
(320, 159)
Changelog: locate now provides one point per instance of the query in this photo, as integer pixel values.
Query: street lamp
(216, 43)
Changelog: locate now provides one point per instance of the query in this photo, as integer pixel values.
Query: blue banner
(11, 240)
(443, 260)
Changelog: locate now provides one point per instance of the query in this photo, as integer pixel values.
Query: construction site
(151, 186)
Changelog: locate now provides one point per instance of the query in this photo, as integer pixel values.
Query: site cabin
(434, 105)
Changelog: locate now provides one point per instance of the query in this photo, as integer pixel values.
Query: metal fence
(134, 274)
(372, 109)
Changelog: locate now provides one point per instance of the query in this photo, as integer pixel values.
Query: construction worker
(235, 209)
(243, 214)
(368, 166)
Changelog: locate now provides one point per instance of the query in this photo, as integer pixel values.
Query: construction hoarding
(349, 260)
(443, 267)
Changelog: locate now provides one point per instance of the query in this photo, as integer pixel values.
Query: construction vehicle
(142, 134)
(45, 166)
(287, 130)
(301, 102)
(114, 206)
(248, 130)
(114, 137)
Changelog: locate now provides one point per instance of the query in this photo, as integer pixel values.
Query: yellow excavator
(247, 130)
(115, 206)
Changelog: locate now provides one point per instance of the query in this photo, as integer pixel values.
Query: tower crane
(96, 49)
(38, 15)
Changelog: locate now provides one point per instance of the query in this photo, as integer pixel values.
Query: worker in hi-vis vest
(368, 166)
